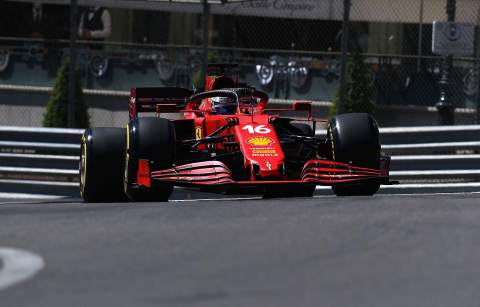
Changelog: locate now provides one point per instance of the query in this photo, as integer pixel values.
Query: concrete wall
(20, 108)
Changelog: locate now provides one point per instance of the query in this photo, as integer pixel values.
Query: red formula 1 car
(225, 139)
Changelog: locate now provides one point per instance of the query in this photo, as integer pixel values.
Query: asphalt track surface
(386, 250)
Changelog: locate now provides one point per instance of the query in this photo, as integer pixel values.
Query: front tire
(152, 139)
(101, 165)
(355, 140)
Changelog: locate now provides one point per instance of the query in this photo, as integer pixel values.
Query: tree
(56, 114)
(359, 90)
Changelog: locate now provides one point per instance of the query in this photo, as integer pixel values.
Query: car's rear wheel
(101, 164)
(152, 139)
(354, 139)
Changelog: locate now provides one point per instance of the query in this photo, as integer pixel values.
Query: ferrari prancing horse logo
(198, 133)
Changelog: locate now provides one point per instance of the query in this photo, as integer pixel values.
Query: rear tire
(152, 139)
(354, 139)
(101, 165)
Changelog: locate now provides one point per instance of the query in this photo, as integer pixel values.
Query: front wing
(319, 172)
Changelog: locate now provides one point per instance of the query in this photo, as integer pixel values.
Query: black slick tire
(101, 165)
(354, 140)
(152, 139)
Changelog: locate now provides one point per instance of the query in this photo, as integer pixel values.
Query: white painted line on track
(430, 194)
(24, 196)
(18, 266)
(432, 185)
(214, 199)
(328, 196)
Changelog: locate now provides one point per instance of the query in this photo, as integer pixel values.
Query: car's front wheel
(354, 139)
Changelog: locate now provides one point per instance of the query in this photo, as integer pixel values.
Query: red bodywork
(252, 133)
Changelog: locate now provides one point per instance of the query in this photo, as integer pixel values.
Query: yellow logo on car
(260, 141)
(198, 133)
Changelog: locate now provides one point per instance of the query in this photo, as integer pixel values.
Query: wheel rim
(83, 167)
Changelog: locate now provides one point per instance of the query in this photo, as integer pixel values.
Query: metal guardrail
(39, 160)
(45, 160)
(433, 153)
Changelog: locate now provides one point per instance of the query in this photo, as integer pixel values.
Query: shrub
(56, 114)
(359, 90)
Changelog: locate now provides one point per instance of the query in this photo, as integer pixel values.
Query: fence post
(73, 62)
(476, 69)
(420, 36)
(343, 59)
(205, 30)
(446, 110)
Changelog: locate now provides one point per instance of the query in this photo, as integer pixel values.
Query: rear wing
(146, 99)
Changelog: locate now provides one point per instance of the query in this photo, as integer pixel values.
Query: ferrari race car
(225, 139)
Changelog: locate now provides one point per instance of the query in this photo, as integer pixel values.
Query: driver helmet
(223, 105)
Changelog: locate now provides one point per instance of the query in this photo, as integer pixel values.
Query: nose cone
(261, 147)
(262, 150)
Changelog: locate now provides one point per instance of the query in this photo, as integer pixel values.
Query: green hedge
(359, 88)
(56, 114)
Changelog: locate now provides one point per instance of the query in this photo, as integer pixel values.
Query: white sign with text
(452, 38)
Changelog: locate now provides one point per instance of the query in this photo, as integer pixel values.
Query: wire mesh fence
(289, 49)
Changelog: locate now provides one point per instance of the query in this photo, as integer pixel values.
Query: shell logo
(260, 141)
